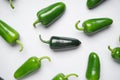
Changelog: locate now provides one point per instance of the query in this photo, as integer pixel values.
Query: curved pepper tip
(72, 74)
(77, 27)
(11, 4)
(34, 24)
(21, 45)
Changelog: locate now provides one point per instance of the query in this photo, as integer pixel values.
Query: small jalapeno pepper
(9, 34)
(61, 76)
(93, 68)
(50, 14)
(31, 65)
(93, 25)
(115, 52)
(11, 4)
(56, 42)
(93, 3)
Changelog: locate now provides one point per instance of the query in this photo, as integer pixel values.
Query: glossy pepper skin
(50, 14)
(9, 34)
(93, 25)
(11, 4)
(115, 53)
(56, 42)
(93, 3)
(93, 68)
(61, 76)
(31, 65)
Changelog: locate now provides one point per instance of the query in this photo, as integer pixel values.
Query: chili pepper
(56, 42)
(11, 4)
(93, 68)
(61, 76)
(31, 65)
(50, 14)
(115, 52)
(93, 3)
(9, 34)
(93, 25)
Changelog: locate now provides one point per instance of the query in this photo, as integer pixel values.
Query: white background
(22, 18)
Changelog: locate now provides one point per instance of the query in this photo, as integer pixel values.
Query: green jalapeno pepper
(9, 34)
(31, 65)
(93, 3)
(61, 76)
(11, 4)
(93, 25)
(115, 52)
(56, 42)
(49, 14)
(93, 68)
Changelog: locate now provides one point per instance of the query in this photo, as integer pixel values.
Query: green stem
(44, 57)
(110, 48)
(21, 45)
(72, 74)
(47, 42)
(77, 27)
(11, 4)
(37, 21)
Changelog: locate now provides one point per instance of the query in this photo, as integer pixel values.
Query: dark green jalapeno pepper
(115, 52)
(9, 34)
(93, 25)
(93, 3)
(56, 42)
(61, 76)
(93, 68)
(49, 14)
(11, 4)
(31, 65)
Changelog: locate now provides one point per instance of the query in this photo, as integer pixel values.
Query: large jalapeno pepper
(9, 34)
(93, 68)
(31, 65)
(49, 14)
(61, 76)
(93, 3)
(11, 4)
(56, 42)
(93, 25)
(115, 52)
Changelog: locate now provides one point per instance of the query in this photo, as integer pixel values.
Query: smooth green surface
(93, 68)
(50, 14)
(31, 65)
(93, 3)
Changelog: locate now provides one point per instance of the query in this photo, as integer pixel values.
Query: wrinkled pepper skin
(56, 42)
(93, 3)
(115, 53)
(93, 68)
(61, 76)
(50, 14)
(9, 34)
(31, 65)
(94, 25)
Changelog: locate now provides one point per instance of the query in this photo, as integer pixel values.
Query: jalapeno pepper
(56, 42)
(93, 3)
(11, 4)
(115, 52)
(61, 76)
(93, 25)
(93, 68)
(31, 65)
(9, 34)
(50, 14)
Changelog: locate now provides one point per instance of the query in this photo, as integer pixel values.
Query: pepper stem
(119, 38)
(77, 27)
(44, 57)
(11, 4)
(21, 45)
(44, 40)
(110, 48)
(37, 21)
(72, 74)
